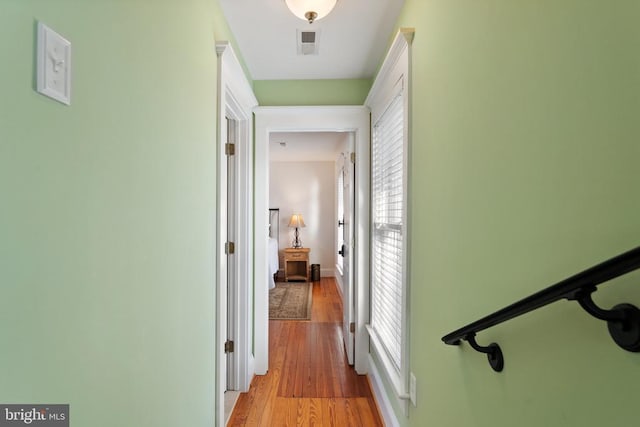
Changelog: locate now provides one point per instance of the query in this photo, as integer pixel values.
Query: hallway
(309, 381)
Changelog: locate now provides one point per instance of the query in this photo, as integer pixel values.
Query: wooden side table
(296, 264)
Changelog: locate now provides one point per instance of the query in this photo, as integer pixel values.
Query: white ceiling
(352, 40)
(306, 146)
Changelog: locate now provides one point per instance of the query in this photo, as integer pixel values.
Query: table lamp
(296, 222)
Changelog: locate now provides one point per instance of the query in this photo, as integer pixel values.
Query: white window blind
(388, 229)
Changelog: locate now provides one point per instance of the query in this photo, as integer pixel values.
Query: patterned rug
(290, 301)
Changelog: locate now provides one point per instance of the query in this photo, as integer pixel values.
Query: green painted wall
(107, 217)
(222, 31)
(525, 170)
(311, 92)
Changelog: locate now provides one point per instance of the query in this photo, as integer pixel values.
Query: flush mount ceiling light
(311, 10)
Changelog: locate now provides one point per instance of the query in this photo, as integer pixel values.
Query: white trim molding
(382, 399)
(395, 76)
(235, 101)
(354, 119)
(400, 45)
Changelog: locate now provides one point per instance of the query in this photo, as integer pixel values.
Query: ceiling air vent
(308, 42)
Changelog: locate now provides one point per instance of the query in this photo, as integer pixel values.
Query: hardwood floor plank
(340, 377)
(309, 382)
(329, 413)
(328, 364)
(315, 412)
(311, 365)
(303, 412)
(368, 416)
(280, 416)
(299, 359)
(352, 413)
(340, 410)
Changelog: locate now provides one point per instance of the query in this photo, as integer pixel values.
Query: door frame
(354, 119)
(230, 204)
(235, 99)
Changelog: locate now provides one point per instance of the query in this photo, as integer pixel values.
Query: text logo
(34, 415)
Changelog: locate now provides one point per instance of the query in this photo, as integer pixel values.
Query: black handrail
(623, 320)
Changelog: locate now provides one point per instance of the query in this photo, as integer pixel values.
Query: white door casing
(354, 119)
(235, 101)
(231, 236)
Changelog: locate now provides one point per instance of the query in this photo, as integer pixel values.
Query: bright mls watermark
(34, 415)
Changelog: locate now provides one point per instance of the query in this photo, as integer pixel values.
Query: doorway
(302, 180)
(311, 119)
(234, 228)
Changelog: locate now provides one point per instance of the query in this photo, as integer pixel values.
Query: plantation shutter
(388, 228)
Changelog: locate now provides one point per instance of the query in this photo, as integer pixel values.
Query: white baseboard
(327, 272)
(340, 285)
(251, 371)
(324, 272)
(386, 410)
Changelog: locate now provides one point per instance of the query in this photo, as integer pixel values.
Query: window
(389, 328)
(388, 212)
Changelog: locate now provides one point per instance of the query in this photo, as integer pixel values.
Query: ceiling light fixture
(311, 10)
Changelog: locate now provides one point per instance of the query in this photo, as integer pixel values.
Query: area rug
(290, 301)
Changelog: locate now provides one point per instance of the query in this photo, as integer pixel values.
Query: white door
(347, 252)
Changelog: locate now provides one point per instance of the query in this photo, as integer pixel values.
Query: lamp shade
(296, 221)
(311, 10)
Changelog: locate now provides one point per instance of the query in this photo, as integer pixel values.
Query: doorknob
(341, 251)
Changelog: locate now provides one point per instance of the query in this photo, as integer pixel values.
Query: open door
(346, 251)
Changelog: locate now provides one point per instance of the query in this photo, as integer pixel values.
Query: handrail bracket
(493, 352)
(623, 320)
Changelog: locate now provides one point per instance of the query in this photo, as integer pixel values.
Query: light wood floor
(309, 382)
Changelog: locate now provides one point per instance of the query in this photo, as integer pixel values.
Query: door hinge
(353, 157)
(229, 347)
(229, 149)
(352, 327)
(229, 248)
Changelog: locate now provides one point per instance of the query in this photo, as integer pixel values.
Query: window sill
(391, 373)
